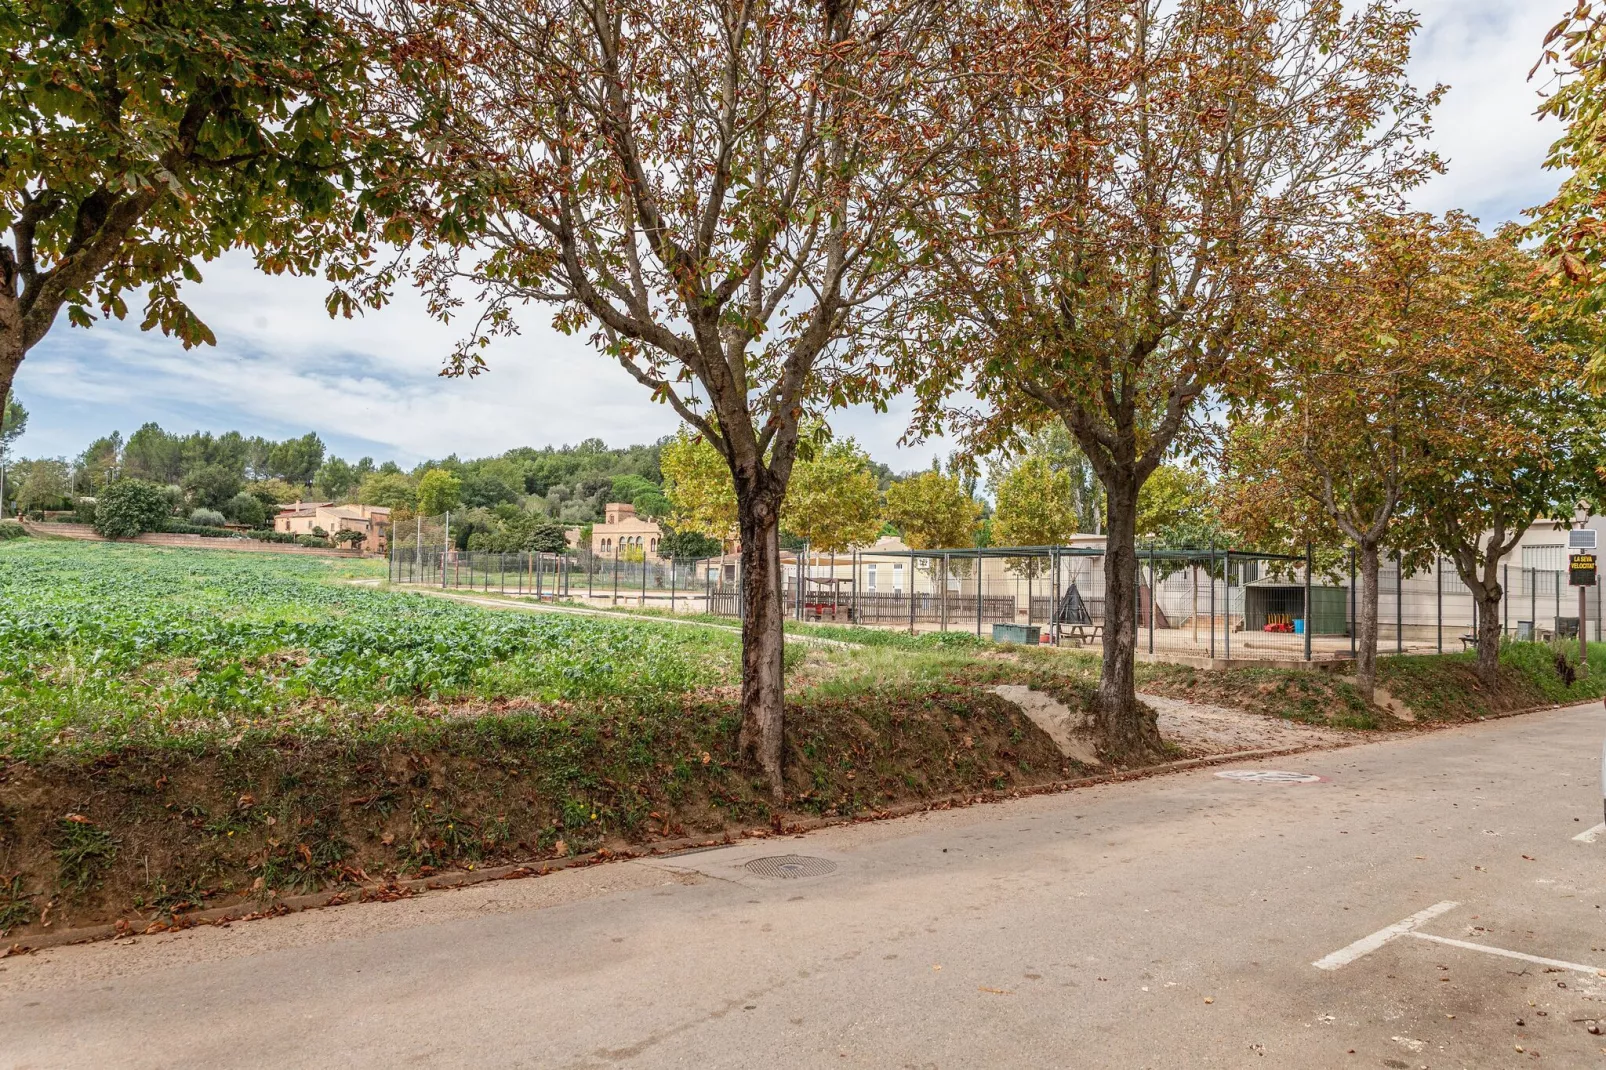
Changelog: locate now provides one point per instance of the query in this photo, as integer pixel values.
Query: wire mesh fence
(1211, 603)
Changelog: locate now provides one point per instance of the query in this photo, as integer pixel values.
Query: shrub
(10, 529)
(179, 527)
(131, 506)
(84, 510)
(246, 509)
(311, 540)
(269, 535)
(209, 518)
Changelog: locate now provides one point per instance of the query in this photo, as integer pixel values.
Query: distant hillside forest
(518, 500)
(570, 484)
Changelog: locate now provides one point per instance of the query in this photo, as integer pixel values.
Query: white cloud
(369, 386)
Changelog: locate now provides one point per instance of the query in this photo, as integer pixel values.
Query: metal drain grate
(790, 867)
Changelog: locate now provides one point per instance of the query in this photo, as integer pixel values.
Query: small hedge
(10, 529)
(179, 527)
(265, 535)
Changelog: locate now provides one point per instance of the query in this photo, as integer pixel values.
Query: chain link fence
(1192, 603)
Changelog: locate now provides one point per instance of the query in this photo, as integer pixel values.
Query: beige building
(623, 531)
(373, 521)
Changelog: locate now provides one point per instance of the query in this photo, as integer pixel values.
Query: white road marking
(1590, 835)
(1558, 963)
(1368, 944)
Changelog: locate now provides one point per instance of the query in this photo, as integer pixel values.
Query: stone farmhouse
(373, 521)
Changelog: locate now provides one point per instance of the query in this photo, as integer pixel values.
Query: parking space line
(1368, 944)
(1486, 949)
(1591, 835)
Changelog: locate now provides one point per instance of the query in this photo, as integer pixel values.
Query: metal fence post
(1226, 618)
(1310, 565)
(1353, 623)
(1399, 604)
(1533, 603)
(1438, 584)
(910, 580)
(978, 592)
(671, 585)
(946, 571)
(1151, 597)
(1212, 599)
(616, 572)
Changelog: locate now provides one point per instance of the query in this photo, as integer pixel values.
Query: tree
(715, 192)
(336, 479)
(1131, 213)
(688, 546)
(247, 509)
(834, 502)
(936, 512)
(391, 490)
(933, 512)
(438, 492)
(44, 483)
(545, 536)
(1170, 499)
(141, 137)
(1055, 444)
(1033, 503)
(13, 423)
(652, 504)
(129, 507)
(698, 484)
(296, 460)
(275, 492)
(154, 455)
(1513, 436)
(100, 460)
(1379, 337)
(1570, 223)
(211, 485)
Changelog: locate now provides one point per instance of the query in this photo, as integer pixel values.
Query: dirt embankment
(145, 836)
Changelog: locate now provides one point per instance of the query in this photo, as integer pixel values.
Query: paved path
(1164, 923)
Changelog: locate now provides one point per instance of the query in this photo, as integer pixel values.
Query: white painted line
(1578, 967)
(1590, 835)
(1368, 944)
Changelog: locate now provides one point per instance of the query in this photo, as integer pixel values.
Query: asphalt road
(1165, 923)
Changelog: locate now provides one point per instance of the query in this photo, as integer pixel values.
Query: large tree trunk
(1366, 639)
(1127, 730)
(11, 338)
(758, 519)
(1488, 601)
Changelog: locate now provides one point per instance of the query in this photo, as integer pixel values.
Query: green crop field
(105, 645)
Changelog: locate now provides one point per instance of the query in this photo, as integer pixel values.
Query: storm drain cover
(789, 867)
(1268, 776)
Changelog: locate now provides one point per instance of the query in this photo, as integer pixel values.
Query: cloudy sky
(369, 386)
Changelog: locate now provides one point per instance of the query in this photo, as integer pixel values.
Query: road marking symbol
(1558, 963)
(1269, 776)
(1368, 944)
(1591, 835)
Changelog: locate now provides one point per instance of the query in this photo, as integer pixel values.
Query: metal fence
(1218, 604)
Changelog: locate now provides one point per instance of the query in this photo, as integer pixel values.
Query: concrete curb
(386, 891)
